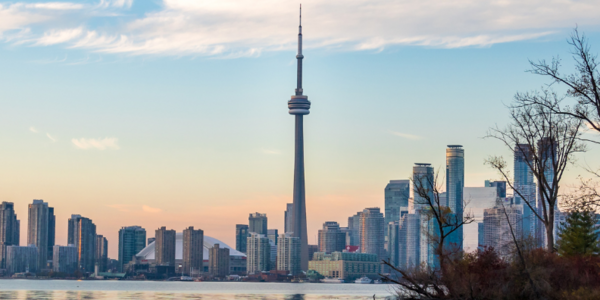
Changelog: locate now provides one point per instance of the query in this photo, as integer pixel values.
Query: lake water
(166, 290)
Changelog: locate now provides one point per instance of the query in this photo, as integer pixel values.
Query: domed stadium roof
(209, 242)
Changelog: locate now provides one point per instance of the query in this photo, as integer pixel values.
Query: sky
(174, 113)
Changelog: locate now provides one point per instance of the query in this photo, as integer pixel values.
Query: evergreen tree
(579, 236)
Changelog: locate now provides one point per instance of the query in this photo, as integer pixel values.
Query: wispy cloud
(59, 36)
(149, 209)
(51, 138)
(51, 5)
(406, 135)
(32, 129)
(270, 151)
(100, 144)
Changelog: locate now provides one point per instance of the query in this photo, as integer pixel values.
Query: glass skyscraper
(455, 183)
(397, 193)
(241, 237)
(524, 184)
(132, 240)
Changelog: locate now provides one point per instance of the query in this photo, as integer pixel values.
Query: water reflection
(124, 295)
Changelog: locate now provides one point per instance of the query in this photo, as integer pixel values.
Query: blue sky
(174, 113)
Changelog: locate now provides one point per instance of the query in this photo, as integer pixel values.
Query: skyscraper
(218, 261)
(258, 256)
(193, 249)
(331, 238)
(101, 253)
(9, 230)
(84, 236)
(354, 228)
(257, 223)
(288, 217)
(423, 178)
(164, 254)
(455, 183)
(423, 186)
(132, 240)
(499, 185)
(525, 188)
(497, 232)
(371, 232)
(397, 193)
(71, 229)
(411, 227)
(64, 259)
(37, 231)
(299, 106)
(288, 254)
(51, 232)
(241, 237)
(395, 243)
(547, 157)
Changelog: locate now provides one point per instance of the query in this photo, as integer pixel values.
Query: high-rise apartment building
(64, 259)
(273, 234)
(132, 240)
(331, 238)
(9, 230)
(22, 259)
(193, 250)
(455, 183)
(411, 229)
(354, 229)
(288, 214)
(423, 183)
(72, 223)
(394, 242)
(499, 225)
(101, 253)
(241, 237)
(288, 254)
(164, 254)
(37, 231)
(258, 256)
(84, 238)
(258, 223)
(479, 198)
(218, 261)
(51, 232)
(525, 188)
(424, 197)
(397, 193)
(371, 232)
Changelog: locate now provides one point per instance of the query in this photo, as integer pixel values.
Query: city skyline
(155, 140)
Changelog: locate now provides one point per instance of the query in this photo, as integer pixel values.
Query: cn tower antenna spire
(299, 57)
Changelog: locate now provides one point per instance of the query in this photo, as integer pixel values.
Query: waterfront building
(397, 193)
(346, 265)
(165, 247)
(83, 235)
(64, 259)
(193, 246)
(132, 239)
(525, 188)
(101, 253)
(331, 238)
(497, 231)
(9, 230)
(241, 237)
(478, 199)
(288, 217)
(51, 232)
(455, 183)
(37, 231)
(371, 232)
(258, 223)
(258, 254)
(288, 254)
(218, 265)
(71, 228)
(22, 259)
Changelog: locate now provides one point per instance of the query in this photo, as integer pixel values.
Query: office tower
(51, 232)
(101, 253)
(499, 185)
(371, 232)
(497, 230)
(354, 228)
(218, 261)
(299, 106)
(273, 234)
(132, 240)
(424, 197)
(479, 199)
(241, 237)
(64, 259)
(37, 231)
(423, 178)
(193, 250)
(331, 238)
(84, 238)
(22, 259)
(412, 222)
(455, 183)
(288, 254)
(258, 223)
(288, 217)
(258, 256)
(9, 230)
(525, 188)
(397, 193)
(164, 248)
(394, 243)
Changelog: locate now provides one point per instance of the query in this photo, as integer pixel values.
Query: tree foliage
(579, 236)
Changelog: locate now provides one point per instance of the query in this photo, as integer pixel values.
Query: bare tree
(582, 99)
(547, 141)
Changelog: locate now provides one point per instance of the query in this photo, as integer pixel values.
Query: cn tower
(299, 106)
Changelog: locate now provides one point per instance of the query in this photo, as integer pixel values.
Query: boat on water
(363, 280)
(186, 278)
(377, 281)
(332, 280)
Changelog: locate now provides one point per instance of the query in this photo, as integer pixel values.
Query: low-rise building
(21, 259)
(345, 265)
(65, 259)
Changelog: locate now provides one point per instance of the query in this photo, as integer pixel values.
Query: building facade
(288, 254)
(371, 232)
(455, 183)
(84, 238)
(331, 238)
(354, 229)
(394, 243)
(9, 230)
(411, 229)
(37, 231)
(525, 188)
(101, 253)
(64, 259)
(218, 265)
(258, 223)
(51, 232)
(397, 193)
(241, 237)
(345, 265)
(287, 217)
(499, 225)
(164, 247)
(258, 256)
(132, 240)
(193, 247)
(21, 259)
